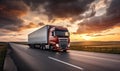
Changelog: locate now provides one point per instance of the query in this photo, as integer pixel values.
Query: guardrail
(20, 63)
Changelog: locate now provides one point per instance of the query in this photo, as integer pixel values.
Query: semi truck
(50, 37)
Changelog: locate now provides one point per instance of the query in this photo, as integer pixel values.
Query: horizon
(70, 42)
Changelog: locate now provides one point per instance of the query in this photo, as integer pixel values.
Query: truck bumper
(60, 49)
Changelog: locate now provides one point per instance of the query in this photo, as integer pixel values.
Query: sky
(87, 20)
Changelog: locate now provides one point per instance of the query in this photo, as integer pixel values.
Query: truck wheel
(43, 47)
(50, 47)
(64, 50)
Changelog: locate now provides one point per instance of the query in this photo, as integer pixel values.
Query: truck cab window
(62, 33)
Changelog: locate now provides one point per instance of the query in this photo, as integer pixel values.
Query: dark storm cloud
(114, 8)
(67, 8)
(10, 22)
(34, 4)
(61, 8)
(10, 13)
(104, 22)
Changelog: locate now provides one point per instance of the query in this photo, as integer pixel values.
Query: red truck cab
(59, 38)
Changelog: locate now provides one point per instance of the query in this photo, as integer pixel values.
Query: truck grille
(63, 43)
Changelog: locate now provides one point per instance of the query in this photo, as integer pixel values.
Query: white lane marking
(80, 68)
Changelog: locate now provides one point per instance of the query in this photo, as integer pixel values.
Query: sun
(86, 37)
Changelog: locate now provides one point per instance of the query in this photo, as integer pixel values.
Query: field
(3, 49)
(93, 46)
(97, 46)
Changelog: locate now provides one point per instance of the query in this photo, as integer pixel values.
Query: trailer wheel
(31, 45)
(40, 46)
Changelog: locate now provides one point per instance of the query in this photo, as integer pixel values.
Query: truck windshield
(62, 33)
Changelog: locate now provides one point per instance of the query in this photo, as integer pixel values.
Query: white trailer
(39, 36)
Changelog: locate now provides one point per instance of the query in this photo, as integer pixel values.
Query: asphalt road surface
(28, 59)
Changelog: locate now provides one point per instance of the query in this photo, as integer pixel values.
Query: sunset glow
(86, 37)
(95, 20)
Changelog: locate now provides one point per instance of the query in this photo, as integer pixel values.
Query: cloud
(60, 8)
(41, 24)
(6, 34)
(31, 25)
(68, 25)
(104, 22)
(34, 4)
(11, 13)
(67, 8)
(101, 34)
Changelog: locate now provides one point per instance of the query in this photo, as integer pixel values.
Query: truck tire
(64, 50)
(47, 47)
(43, 47)
(51, 47)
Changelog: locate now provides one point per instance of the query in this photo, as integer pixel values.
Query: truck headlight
(69, 45)
(57, 45)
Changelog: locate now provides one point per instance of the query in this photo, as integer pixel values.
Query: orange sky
(112, 35)
(96, 23)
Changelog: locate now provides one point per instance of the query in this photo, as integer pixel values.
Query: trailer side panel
(39, 36)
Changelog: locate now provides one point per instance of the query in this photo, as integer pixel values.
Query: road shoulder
(9, 64)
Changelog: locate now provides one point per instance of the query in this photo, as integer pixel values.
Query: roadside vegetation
(24, 43)
(93, 46)
(3, 50)
(103, 47)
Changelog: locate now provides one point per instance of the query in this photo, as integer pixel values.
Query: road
(28, 59)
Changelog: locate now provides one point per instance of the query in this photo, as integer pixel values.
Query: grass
(3, 49)
(24, 43)
(103, 47)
